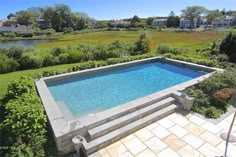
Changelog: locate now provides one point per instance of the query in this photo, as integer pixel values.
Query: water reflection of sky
(23, 43)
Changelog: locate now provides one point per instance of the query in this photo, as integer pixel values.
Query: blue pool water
(104, 90)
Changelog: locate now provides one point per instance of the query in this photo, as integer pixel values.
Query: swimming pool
(98, 91)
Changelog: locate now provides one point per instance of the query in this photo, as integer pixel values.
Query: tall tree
(135, 19)
(228, 46)
(173, 21)
(223, 11)
(193, 12)
(149, 21)
(10, 15)
(212, 14)
(25, 17)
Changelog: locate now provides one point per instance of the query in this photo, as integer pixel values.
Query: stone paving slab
(176, 135)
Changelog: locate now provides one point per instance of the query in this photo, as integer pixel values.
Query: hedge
(24, 124)
(206, 62)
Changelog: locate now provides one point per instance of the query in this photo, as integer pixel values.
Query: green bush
(18, 87)
(30, 62)
(24, 125)
(74, 56)
(58, 50)
(7, 64)
(205, 102)
(10, 35)
(222, 58)
(163, 49)
(228, 46)
(49, 31)
(15, 52)
(49, 60)
(48, 73)
(206, 62)
(67, 30)
(213, 112)
(143, 44)
(83, 66)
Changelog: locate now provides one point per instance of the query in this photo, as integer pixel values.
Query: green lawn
(191, 40)
(6, 78)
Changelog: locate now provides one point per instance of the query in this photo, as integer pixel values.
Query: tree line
(61, 18)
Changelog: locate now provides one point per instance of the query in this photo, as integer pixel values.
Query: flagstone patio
(177, 135)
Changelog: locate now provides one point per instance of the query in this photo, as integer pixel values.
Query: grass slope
(6, 78)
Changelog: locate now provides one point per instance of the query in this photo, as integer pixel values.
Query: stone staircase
(113, 130)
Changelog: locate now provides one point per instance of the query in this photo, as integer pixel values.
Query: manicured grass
(190, 40)
(6, 78)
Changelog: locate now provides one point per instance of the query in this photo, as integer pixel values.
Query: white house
(159, 22)
(1, 22)
(120, 23)
(43, 23)
(16, 28)
(224, 21)
(184, 23)
(197, 22)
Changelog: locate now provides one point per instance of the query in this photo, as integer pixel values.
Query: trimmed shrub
(83, 66)
(48, 73)
(49, 31)
(18, 87)
(206, 62)
(24, 125)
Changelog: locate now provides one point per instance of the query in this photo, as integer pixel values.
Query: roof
(160, 20)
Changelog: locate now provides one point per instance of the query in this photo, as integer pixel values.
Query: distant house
(1, 22)
(184, 23)
(120, 23)
(224, 21)
(13, 18)
(197, 22)
(159, 22)
(16, 28)
(44, 24)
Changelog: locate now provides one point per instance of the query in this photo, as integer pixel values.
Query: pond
(23, 43)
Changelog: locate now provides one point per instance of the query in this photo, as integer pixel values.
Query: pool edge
(65, 130)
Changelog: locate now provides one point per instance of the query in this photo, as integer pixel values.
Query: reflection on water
(23, 43)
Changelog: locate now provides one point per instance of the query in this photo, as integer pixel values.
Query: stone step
(126, 130)
(129, 118)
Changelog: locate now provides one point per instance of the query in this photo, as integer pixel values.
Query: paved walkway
(174, 136)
